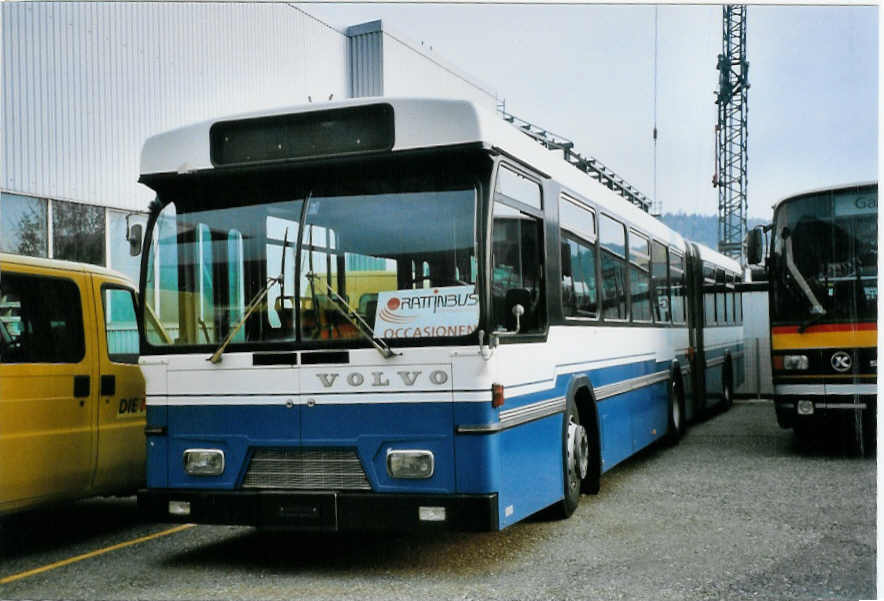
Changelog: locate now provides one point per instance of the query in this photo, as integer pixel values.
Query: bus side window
(729, 299)
(720, 293)
(579, 286)
(708, 295)
(639, 276)
(660, 282)
(517, 270)
(612, 236)
(676, 282)
(579, 291)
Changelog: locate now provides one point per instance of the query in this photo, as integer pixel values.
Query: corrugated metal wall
(366, 59)
(84, 84)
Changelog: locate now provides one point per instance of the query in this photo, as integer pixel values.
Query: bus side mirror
(136, 233)
(755, 246)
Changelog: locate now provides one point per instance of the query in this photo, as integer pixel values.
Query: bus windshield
(825, 255)
(399, 251)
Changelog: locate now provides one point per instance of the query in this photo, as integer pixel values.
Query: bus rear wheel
(675, 427)
(727, 387)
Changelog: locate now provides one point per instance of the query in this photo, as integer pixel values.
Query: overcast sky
(587, 73)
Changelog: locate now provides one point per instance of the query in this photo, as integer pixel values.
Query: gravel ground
(736, 511)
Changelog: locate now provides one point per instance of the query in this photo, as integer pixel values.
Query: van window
(120, 326)
(42, 320)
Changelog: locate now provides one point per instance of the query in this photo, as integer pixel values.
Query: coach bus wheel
(575, 455)
(675, 428)
(727, 387)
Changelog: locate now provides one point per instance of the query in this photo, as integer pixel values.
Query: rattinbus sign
(422, 313)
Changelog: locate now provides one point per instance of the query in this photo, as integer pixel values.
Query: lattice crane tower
(732, 133)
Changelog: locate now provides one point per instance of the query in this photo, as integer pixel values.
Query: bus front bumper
(818, 407)
(321, 511)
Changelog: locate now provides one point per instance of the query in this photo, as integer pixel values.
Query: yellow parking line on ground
(65, 562)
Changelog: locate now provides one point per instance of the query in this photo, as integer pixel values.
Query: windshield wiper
(354, 318)
(816, 308)
(254, 303)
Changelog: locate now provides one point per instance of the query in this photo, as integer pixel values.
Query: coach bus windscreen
(825, 256)
(278, 259)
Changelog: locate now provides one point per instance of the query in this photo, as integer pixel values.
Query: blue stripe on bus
(527, 476)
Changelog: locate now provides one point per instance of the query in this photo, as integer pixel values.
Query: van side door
(121, 400)
(48, 391)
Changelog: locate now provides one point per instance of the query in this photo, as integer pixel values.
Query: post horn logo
(841, 361)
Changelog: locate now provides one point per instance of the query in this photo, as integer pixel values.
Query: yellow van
(72, 404)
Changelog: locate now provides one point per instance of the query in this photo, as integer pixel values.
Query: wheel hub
(578, 453)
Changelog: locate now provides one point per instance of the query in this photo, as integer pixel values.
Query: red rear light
(497, 395)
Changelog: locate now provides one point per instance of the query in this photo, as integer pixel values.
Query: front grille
(306, 469)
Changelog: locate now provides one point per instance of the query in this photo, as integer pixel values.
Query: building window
(78, 232)
(23, 225)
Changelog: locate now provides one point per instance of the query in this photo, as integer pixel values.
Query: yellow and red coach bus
(823, 274)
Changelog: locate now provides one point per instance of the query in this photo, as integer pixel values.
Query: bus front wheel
(575, 459)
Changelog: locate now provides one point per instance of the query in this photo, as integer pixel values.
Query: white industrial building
(84, 84)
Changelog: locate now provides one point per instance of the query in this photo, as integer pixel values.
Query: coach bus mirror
(136, 232)
(754, 246)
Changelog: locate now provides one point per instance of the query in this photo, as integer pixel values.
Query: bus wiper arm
(253, 304)
(816, 308)
(361, 326)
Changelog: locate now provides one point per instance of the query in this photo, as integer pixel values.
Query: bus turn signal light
(497, 395)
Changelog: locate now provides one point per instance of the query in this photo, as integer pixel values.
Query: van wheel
(575, 459)
(675, 428)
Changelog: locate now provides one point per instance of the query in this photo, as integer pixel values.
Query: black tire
(575, 458)
(592, 482)
(727, 387)
(676, 423)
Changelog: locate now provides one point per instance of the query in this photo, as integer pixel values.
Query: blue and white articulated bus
(404, 313)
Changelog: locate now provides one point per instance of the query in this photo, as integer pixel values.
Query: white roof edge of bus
(824, 189)
(715, 257)
(60, 264)
(455, 122)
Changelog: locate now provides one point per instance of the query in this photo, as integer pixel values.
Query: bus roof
(835, 188)
(61, 265)
(418, 123)
(718, 259)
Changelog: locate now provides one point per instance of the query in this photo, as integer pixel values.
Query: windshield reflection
(834, 251)
(380, 245)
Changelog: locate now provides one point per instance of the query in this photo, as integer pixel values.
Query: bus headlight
(410, 463)
(204, 462)
(795, 362)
